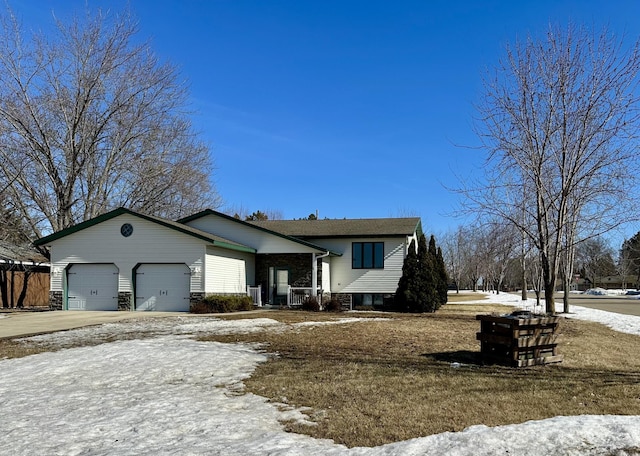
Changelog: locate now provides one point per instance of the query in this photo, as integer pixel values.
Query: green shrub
(311, 304)
(333, 306)
(223, 304)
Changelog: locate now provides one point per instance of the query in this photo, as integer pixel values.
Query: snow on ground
(170, 394)
(624, 323)
(187, 325)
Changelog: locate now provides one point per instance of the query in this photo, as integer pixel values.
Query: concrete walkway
(15, 324)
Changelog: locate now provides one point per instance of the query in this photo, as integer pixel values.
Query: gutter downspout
(314, 271)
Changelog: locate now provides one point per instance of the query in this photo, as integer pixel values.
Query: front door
(281, 286)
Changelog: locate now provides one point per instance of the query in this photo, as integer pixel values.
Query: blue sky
(355, 109)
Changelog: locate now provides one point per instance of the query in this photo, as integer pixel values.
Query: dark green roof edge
(418, 229)
(121, 210)
(206, 212)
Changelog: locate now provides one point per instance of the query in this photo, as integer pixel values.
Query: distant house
(124, 260)
(617, 282)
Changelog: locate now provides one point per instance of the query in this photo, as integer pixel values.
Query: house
(124, 260)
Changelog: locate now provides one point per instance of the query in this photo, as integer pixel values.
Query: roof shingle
(380, 227)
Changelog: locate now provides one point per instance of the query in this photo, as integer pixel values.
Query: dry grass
(10, 348)
(376, 382)
(453, 298)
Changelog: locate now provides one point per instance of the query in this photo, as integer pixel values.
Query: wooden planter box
(519, 341)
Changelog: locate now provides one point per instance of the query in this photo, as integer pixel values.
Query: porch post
(314, 275)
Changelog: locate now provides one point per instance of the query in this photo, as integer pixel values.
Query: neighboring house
(124, 260)
(618, 282)
(24, 276)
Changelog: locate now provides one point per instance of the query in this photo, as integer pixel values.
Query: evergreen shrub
(223, 304)
(311, 304)
(333, 306)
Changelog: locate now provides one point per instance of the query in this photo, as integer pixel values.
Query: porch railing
(298, 295)
(256, 294)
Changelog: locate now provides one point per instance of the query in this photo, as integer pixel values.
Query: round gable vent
(126, 230)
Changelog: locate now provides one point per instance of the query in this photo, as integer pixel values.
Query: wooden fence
(37, 289)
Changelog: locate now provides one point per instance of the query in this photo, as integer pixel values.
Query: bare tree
(594, 259)
(453, 251)
(90, 120)
(534, 276)
(502, 241)
(629, 260)
(559, 119)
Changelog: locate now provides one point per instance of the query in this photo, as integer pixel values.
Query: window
(126, 230)
(367, 255)
(370, 300)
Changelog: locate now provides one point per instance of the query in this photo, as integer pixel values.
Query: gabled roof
(295, 239)
(333, 228)
(215, 240)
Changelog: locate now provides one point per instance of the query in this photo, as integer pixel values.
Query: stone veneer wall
(124, 300)
(195, 297)
(343, 298)
(55, 300)
(298, 264)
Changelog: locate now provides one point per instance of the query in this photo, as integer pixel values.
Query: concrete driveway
(15, 324)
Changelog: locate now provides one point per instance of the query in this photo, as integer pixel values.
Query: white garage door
(92, 287)
(163, 287)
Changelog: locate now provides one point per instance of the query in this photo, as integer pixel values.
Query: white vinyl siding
(228, 272)
(326, 274)
(149, 243)
(262, 241)
(345, 279)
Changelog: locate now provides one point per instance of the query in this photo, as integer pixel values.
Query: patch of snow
(155, 327)
(169, 394)
(340, 321)
(629, 324)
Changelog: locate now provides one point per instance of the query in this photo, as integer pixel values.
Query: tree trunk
(12, 289)
(23, 291)
(524, 283)
(549, 278)
(3, 288)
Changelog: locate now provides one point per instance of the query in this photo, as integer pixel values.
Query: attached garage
(92, 287)
(123, 260)
(162, 287)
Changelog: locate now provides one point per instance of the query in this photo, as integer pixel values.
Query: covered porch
(288, 279)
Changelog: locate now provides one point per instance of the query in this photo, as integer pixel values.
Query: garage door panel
(92, 287)
(163, 287)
